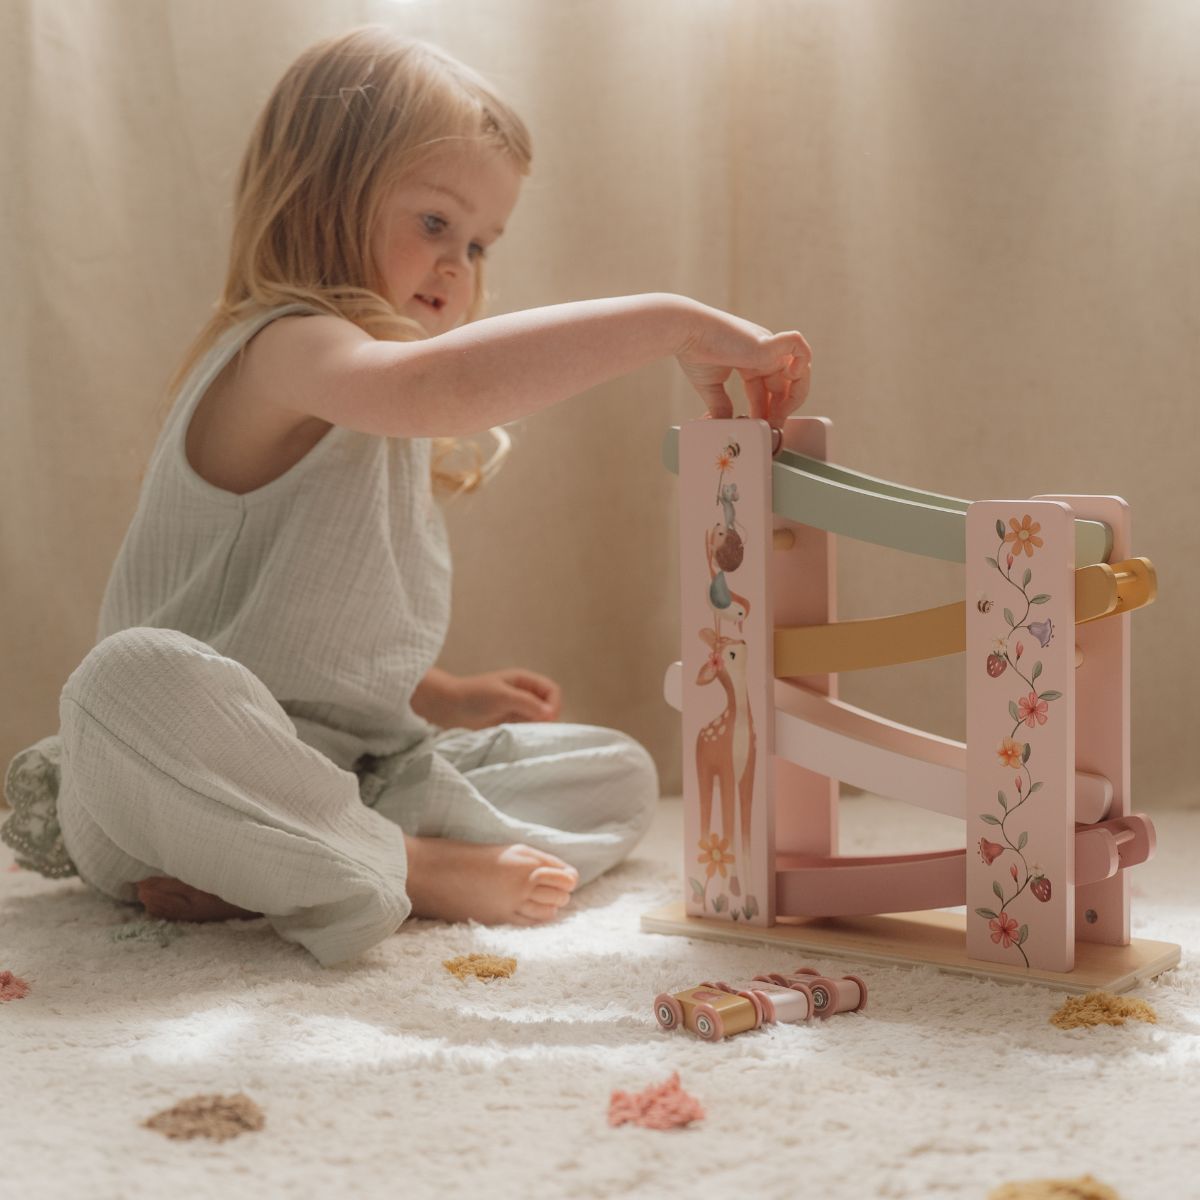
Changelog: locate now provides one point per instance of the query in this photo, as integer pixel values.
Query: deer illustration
(725, 752)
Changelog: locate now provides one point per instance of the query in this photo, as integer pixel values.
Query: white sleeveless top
(331, 583)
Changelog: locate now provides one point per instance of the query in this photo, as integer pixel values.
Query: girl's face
(435, 227)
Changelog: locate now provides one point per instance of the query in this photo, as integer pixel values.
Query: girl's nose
(452, 264)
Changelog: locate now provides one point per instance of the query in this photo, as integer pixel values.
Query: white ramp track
(856, 747)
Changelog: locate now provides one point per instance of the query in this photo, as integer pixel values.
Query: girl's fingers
(759, 396)
(793, 345)
(782, 404)
(716, 400)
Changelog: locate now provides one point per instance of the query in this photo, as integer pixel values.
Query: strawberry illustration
(997, 664)
(1040, 887)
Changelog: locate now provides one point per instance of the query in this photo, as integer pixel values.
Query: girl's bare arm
(501, 368)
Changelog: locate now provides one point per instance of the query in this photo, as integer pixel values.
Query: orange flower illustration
(1030, 709)
(715, 853)
(1010, 752)
(724, 460)
(1004, 930)
(1024, 536)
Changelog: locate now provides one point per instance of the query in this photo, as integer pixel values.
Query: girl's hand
(775, 367)
(499, 697)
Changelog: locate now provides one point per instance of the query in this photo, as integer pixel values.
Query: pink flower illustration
(989, 851)
(1031, 709)
(1004, 930)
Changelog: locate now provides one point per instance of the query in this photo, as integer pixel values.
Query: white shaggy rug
(391, 1078)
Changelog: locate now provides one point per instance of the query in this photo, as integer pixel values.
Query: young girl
(261, 728)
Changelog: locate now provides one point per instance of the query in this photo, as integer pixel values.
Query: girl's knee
(144, 679)
(128, 659)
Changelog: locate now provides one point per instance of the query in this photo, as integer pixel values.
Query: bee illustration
(983, 603)
(733, 449)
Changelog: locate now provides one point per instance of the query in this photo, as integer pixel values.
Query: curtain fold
(983, 217)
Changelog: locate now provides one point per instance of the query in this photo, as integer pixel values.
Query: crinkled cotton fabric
(244, 721)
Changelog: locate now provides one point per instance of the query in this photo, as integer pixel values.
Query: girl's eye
(433, 224)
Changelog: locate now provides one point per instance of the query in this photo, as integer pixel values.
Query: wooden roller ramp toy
(1041, 784)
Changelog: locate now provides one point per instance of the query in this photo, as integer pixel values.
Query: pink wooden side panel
(1020, 665)
(806, 803)
(727, 628)
(1102, 724)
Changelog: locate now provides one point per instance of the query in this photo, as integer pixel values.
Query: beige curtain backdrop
(985, 217)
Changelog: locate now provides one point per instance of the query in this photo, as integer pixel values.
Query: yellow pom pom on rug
(1101, 1008)
(482, 966)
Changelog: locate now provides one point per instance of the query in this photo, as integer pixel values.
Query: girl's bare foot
(495, 885)
(172, 900)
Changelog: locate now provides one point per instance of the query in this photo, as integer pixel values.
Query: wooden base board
(935, 938)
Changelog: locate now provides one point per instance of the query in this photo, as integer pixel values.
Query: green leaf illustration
(1040, 598)
(1013, 711)
(1009, 617)
(988, 819)
(999, 528)
(1050, 696)
(991, 562)
(1028, 577)
(1003, 802)
(697, 888)
(720, 903)
(1022, 934)
(1037, 670)
(1026, 752)
(985, 912)
(1037, 787)
(1022, 840)
(999, 892)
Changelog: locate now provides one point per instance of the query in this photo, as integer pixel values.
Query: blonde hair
(351, 116)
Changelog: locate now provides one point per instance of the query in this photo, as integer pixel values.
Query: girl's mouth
(434, 302)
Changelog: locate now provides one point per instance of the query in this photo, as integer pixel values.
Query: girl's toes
(555, 897)
(555, 877)
(552, 860)
(531, 910)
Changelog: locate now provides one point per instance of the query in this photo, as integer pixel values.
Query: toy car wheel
(708, 1024)
(862, 991)
(822, 997)
(669, 1011)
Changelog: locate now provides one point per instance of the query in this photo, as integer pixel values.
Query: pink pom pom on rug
(660, 1106)
(12, 988)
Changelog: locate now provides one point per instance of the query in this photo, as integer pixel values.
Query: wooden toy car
(829, 996)
(716, 1010)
